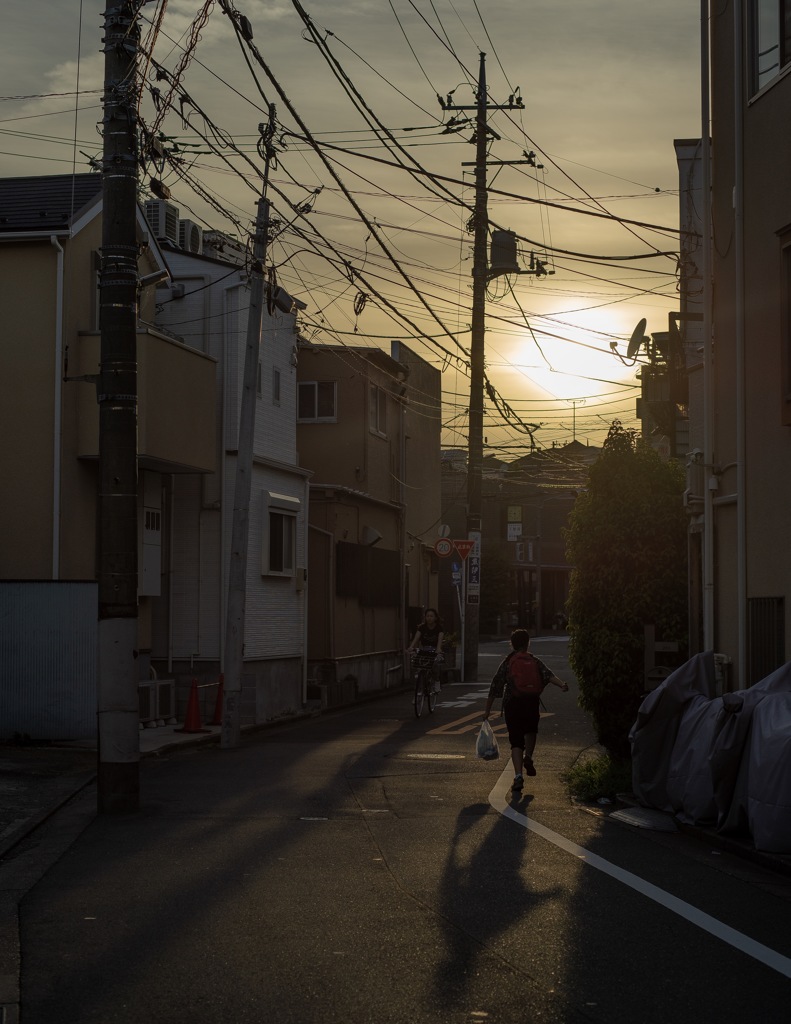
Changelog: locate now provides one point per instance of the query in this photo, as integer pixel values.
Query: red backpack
(524, 675)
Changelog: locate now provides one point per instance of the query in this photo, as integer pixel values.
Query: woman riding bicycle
(428, 641)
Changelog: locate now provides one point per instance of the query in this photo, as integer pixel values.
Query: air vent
(190, 236)
(164, 220)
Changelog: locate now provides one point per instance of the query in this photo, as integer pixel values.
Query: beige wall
(423, 491)
(176, 403)
(28, 274)
(340, 627)
(176, 406)
(347, 452)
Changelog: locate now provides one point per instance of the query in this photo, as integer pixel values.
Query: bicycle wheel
(431, 694)
(420, 692)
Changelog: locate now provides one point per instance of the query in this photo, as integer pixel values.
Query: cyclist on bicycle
(428, 640)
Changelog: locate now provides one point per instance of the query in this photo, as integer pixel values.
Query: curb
(779, 863)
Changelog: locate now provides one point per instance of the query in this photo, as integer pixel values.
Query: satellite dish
(636, 340)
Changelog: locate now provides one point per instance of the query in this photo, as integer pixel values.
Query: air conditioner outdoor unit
(190, 236)
(166, 699)
(147, 701)
(164, 219)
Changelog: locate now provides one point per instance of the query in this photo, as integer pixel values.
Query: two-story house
(50, 240)
(368, 427)
(205, 306)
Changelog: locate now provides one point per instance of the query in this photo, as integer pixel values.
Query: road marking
(437, 757)
(468, 723)
(461, 725)
(499, 800)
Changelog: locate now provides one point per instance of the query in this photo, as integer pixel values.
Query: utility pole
(480, 279)
(117, 701)
(237, 575)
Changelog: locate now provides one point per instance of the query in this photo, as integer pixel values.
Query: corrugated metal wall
(48, 659)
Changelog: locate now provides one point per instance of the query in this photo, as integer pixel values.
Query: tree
(627, 542)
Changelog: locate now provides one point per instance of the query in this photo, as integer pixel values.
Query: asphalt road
(366, 867)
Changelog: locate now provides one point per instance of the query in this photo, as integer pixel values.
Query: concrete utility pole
(480, 278)
(118, 739)
(237, 576)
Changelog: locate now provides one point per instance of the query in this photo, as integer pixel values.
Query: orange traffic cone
(192, 719)
(217, 720)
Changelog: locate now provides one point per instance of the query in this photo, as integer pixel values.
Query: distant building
(368, 428)
(526, 504)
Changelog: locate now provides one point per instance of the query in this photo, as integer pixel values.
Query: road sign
(474, 569)
(464, 547)
(443, 547)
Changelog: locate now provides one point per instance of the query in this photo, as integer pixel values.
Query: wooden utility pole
(237, 573)
(480, 279)
(118, 676)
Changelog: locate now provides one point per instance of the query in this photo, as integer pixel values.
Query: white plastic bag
(486, 744)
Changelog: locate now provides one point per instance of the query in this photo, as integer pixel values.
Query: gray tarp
(690, 787)
(769, 775)
(725, 759)
(653, 735)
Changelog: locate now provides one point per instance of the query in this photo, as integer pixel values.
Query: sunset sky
(607, 86)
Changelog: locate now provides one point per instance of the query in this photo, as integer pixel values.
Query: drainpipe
(403, 639)
(305, 585)
(171, 562)
(741, 469)
(58, 409)
(708, 367)
(222, 456)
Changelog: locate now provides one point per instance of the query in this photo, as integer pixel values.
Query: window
(770, 40)
(278, 555)
(275, 386)
(282, 530)
(316, 401)
(377, 410)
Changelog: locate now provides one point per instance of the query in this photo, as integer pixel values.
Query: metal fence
(48, 659)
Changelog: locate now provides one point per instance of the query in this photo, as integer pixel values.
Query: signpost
(470, 574)
(474, 568)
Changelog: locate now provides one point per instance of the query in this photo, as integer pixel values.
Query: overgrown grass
(598, 777)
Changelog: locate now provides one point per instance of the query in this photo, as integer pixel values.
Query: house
(368, 428)
(747, 452)
(50, 240)
(524, 573)
(204, 305)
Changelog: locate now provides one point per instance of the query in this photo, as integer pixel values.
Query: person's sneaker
(530, 768)
(517, 784)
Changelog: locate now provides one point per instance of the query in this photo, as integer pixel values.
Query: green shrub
(627, 541)
(602, 776)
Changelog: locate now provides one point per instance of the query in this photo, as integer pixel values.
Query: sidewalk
(36, 781)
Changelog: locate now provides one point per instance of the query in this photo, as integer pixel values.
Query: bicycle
(425, 677)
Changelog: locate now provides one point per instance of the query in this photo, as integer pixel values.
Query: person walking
(520, 680)
(428, 642)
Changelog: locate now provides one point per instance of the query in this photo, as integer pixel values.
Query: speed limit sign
(443, 547)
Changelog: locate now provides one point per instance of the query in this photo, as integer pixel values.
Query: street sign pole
(462, 594)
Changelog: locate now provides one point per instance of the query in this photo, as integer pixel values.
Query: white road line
(499, 800)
